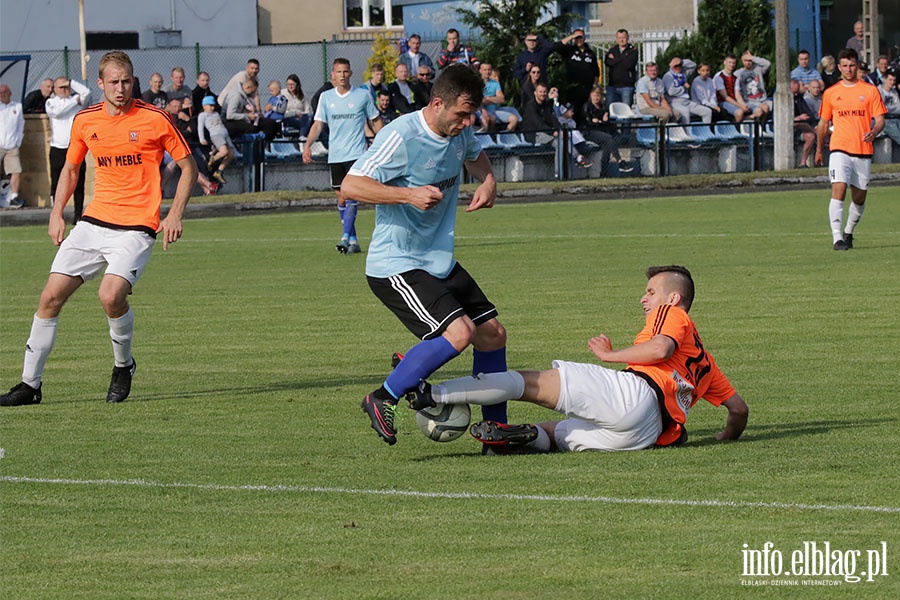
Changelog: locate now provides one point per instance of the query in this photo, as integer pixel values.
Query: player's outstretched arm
(486, 193)
(737, 419)
(171, 225)
(656, 349)
(365, 189)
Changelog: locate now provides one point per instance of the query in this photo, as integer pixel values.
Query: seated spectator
(36, 100)
(456, 52)
(804, 123)
(385, 110)
(862, 71)
(803, 74)
(276, 106)
(535, 76)
(182, 121)
(298, 114)
(675, 83)
(222, 151)
(703, 92)
(242, 116)
(537, 50)
(598, 130)
(493, 100)
(201, 91)
(505, 113)
(813, 96)
(177, 89)
(622, 60)
(155, 95)
(413, 58)
(403, 94)
(876, 77)
(234, 85)
(891, 100)
(728, 91)
(424, 84)
(651, 97)
(752, 85)
(539, 120)
(565, 115)
(375, 83)
(829, 72)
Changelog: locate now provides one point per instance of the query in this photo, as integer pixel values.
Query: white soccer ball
(444, 422)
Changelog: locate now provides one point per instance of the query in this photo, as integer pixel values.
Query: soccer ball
(444, 422)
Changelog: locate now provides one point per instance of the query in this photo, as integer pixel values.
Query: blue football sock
(492, 361)
(421, 361)
(350, 219)
(341, 211)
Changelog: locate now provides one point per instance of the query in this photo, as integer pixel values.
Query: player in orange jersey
(127, 139)
(645, 404)
(851, 105)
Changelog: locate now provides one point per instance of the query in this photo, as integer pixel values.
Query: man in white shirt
(12, 130)
(61, 107)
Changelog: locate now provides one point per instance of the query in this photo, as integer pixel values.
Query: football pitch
(242, 467)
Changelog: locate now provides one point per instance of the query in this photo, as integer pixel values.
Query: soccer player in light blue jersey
(346, 110)
(412, 173)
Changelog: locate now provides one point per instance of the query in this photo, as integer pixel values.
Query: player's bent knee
(490, 336)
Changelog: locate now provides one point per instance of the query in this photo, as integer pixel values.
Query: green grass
(242, 467)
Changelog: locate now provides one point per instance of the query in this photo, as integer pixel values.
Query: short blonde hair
(116, 57)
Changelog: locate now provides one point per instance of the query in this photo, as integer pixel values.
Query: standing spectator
(298, 114)
(242, 116)
(537, 50)
(346, 111)
(891, 100)
(752, 84)
(728, 90)
(222, 152)
(804, 123)
(375, 83)
(622, 62)
(201, 91)
(492, 102)
(276, 106)
(675, 83)
(235, 84)
(412, 58)
(582, 69)
(424, 84)
(177, 88)
(828, 70)
(61, 108)
(703, 92)
(456, 52)
(857, 113)
(803, 73)
(403, 95)
(412, 173)
(856, 41)
(813, 96)
(651, 97)
(862, 71)
(119, 228)
(36, 100)
(155, 95)
(12, 131)
(598, 130)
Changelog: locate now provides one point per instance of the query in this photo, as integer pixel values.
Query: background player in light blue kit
(412, 172)
(346, 110)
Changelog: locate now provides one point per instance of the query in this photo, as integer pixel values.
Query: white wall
(27, 25)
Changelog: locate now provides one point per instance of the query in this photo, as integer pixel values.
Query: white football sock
(853, 216)
(121, 332)
(37, 349)
(542, 442)
(836, 216)
(482, 389)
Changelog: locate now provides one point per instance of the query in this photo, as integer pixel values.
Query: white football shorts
(89, 248)
(607, 409)
(852, 170)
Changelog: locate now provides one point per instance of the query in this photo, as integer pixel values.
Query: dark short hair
(625, 31)
(806, 52)
(452, 30)
(849, 54)
(340, 61)
(376, 67)
(731, 55)
(682, 278)
(383, 92)
(458, 80)
(254, 61)
(417, 36)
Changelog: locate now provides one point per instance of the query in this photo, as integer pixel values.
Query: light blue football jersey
(407, 153)
(346, 117)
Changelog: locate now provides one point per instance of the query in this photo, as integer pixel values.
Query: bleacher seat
(726, 131)
(678, 135)
(620, 110)
(646, 136)
(703, 134)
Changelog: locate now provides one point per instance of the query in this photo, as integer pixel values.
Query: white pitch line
(303, 489)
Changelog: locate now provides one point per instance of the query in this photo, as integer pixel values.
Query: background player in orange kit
(851, 105)
(127, 139)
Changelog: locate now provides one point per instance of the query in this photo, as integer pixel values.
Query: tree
(503, 24)
(384, 52)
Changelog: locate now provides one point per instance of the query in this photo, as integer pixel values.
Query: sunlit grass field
(242, 466)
